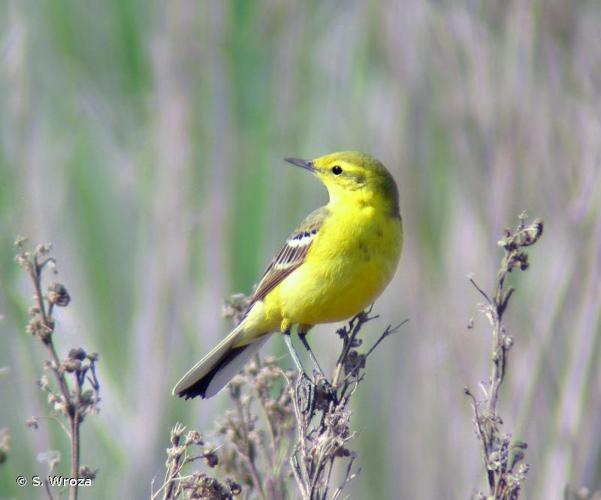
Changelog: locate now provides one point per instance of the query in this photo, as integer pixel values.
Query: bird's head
(353, 176)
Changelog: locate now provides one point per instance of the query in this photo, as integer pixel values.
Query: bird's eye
(336, 169)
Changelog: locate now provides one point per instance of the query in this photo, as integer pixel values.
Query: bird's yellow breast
(350, 262)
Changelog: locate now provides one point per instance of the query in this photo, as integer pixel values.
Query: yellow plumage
(333, 266)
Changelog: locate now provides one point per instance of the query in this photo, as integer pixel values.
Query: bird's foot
(305, 392)
(324, 393)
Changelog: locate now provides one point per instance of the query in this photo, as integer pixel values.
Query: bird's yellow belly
(323, 296)
(343, 278)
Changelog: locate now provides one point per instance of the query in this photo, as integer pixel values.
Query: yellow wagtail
(333, 266)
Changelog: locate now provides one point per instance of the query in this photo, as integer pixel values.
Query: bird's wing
(292, 254)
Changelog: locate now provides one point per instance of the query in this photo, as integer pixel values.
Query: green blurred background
(144, 139)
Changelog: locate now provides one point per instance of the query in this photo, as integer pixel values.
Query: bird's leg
(293, 352)
(302, 335)
(305, 387)
(324, 391)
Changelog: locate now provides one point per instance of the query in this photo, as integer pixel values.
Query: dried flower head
(33, 423)
(57, 295)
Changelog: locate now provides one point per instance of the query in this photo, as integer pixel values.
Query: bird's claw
(305, 392)
(324, 393)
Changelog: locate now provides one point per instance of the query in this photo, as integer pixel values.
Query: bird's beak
(306, 164)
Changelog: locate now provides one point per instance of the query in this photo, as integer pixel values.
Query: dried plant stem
(70, 400)
(502, 459)
(276, 433)
(174, 467)
(323, 415)
(247, 451)
(35, 273)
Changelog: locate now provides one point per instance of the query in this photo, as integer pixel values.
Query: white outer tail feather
(230, 370)
(213, 358)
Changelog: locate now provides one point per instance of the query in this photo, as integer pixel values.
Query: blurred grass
(145, 141)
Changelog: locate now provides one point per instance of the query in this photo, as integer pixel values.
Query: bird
(333, 266)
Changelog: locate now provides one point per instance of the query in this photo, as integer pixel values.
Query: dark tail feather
(217, 368)
(199, 388)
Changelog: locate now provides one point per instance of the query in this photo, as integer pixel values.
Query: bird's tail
(207, 377)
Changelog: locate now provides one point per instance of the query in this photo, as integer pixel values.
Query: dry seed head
(57, 294)
(88, 398)
(270, 361)
(531, 233)
(251, 368)
(194, 437)
(494, 461)
(20, 241)
(77, 353)
(31, 327)
(71, 365)
(43, 248)
(342, 452)
(60, 407)
(86, 473)
(235, 386)
(176, 433)
(211, 459)
(22, 261)
(45, 334)
(175, 451)
(234, 487)
(32, 422)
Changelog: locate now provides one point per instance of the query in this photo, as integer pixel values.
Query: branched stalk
(502, 459)
(323, 415)
(72, 400)
(282, 430)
